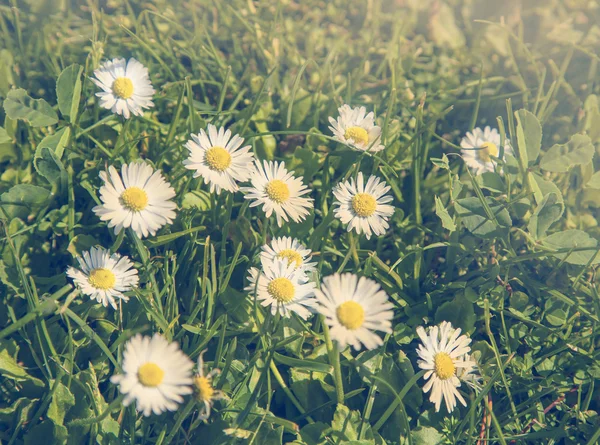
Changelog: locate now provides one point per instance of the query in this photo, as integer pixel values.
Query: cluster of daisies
(156, 373)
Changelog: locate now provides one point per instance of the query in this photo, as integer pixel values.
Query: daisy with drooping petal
(279, 191)
(290, 249)
(354, 308)
(140, 200)
(104, 277)
(127, 87)
(363, 207)
(218, 158)
(204, 391)
(283, 287)
(357, 128)
(156, 374)
(470, 372)
(479, 146)
(442, 354)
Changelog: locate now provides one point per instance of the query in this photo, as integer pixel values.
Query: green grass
(510, 259)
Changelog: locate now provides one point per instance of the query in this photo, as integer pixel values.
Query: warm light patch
(351, 315)
(282, 289)
(277, 191)
(102, 278)
(218, 159)
(134, 198)
(444, 365)
(150, 375)
(488, 149)
(123, 87)
(291, 255)
(364, 205)
(357, 134)
(204, 389)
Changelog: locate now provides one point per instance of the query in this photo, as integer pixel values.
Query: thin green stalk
(334, 360)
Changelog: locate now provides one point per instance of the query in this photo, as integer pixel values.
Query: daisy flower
(442, 354)
(204, 391)
(357, 128)
(354, 308)
(479, 146)
(290, 249)
(157, 374)
(104, 277)
(278, 191)
(126, 87)
(141, 200)
(469, 373)
(283, 287)
(217, 157)
(364, 208)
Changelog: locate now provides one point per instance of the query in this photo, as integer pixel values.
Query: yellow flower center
(351, 315)
(277, 191)
(150, 375)
(123, 87)
(292, 256)
(217, 158)
(444, 366)
(364, 205)
(488, 149)
(281, 289)
(358, 134)
(204, 389)
(102, 278)
(134, 198)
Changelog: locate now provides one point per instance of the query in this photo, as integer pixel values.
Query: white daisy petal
(283, 287)
(479, 145)
(140, 200)
(126, 87)
(439, 352)
(353, 308)
(279, 191)
(290, 249)
(357, 129)
(362, 207)
(104, 277)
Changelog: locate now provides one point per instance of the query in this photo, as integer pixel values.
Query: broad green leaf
(460, 312)
(81, 243)
(442, 213)
(594, 182)
(306, 364)
(4, 137)
(9, 368)
(20, 199)
(46, 432)
(62, 401)
(491, 181)
(549, 211)
(48, 164)
(198, 199)
(476, 220)
(68, 91)
(442, 162)
(426, 435)
(37, 112)
(529, 136)
(305, 162)
(542, 187)
(570, 240)
(561, 157)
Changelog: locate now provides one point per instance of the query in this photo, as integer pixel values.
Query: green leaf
(37, 112)
(426, 435)
(165, 239)
(47, 157)
(198, 199)
(20, 199)
(529, 136)
(460, 312)
(591, 125)
(56, 142)
(549, 211)
(306, 364)
(442, 213)
(4, 136)
(9, 368)
(68, 91)
(81, 243)
(46, 432)
(491, 181)
(560, 158)
(568, 241)
(542, 187)
(62, 401)
(475, 219)
(594, 182)
(305, 162)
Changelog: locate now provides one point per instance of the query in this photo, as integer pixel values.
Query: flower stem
(288, 391)
(334, 359)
